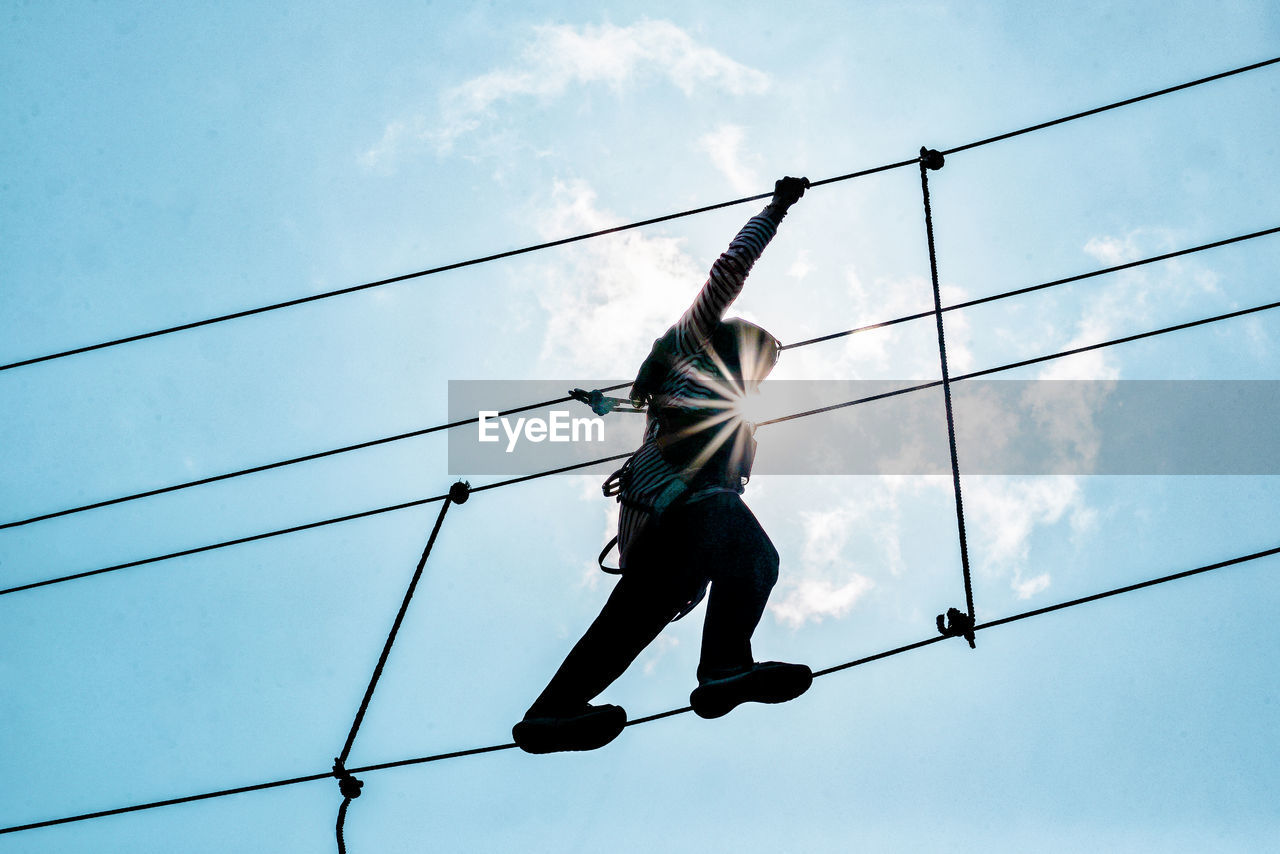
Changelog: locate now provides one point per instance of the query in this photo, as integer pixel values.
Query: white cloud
(1111, 250)
(560, 57)
(1005, 512)
(607, 299)
(1065, 416)
(1130, 300)
(381, 154)
(724, 146)
(1032, 586)
(880, 354)
(801, 267)
(826, 534)
(867, 355)
(813, 599)
(849, 549)
(1260, 343)
(827, 582)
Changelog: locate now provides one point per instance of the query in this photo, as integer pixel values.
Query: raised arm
(730, 270)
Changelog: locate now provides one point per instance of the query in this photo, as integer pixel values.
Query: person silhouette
(683, 525)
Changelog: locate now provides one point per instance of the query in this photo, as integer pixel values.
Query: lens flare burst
(731, 413)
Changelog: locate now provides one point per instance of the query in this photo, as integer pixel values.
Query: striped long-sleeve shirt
(650, 474)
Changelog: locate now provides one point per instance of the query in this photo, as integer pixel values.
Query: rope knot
(956, 624)
(460, 492)
(931, 158)
(347, 784)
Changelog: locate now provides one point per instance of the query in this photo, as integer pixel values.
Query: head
(743, 355)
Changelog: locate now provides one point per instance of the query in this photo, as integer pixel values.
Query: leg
(743, 566)
(642, 602)
(727, 542)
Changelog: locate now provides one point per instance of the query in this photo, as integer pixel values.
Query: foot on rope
(761, 682)
(588, 729)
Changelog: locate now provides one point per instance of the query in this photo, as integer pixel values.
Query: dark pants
(716, 538)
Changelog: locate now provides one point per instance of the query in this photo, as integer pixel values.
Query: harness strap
(615, 482)
(604, 553)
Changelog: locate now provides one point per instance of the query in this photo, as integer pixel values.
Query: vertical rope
(958, 624)
(391, 637)
(348, 784)
(342, 817)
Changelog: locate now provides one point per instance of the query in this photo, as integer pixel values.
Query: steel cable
(587, 463)
(475, 751)
(652, 221)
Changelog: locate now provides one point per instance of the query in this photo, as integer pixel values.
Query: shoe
(761, 682)
(593, 727)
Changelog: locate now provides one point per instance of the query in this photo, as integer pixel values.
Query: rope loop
(347, 783)
(617, 482)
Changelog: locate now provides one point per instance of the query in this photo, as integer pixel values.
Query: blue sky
(164, 164)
